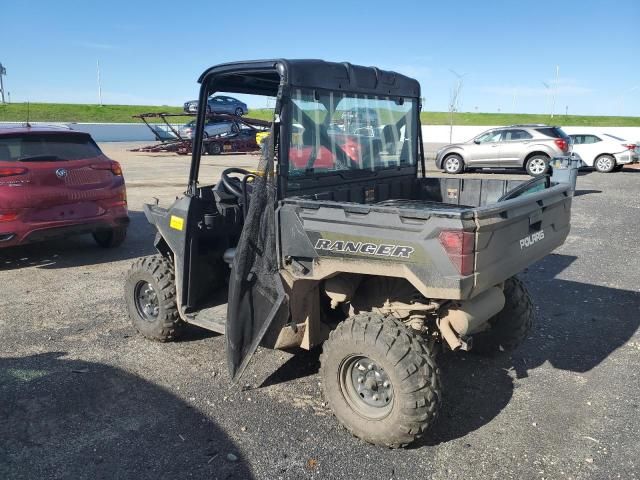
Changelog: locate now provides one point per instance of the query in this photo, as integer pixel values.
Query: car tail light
(8, 216)
(116, 169)
(114, 166)
(460, 247)
(562, 144)
(119, 201)
(11, 171)
(630, 146)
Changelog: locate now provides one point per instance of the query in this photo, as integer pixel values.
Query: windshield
(335, 131)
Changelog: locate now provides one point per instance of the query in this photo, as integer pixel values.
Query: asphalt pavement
(83, 396)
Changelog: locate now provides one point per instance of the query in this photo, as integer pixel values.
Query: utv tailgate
(513, 234)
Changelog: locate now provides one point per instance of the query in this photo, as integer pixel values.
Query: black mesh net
(256, 294)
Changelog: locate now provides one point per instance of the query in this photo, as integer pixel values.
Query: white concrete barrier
(103, 132)
(133, 132)
(462, 133)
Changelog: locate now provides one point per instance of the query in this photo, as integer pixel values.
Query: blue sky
(151, 52)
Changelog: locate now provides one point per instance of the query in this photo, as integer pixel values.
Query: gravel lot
(83, 396)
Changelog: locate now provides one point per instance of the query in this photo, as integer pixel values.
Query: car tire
(214, 148)
(110, 238)
(239, 112)
(453, 164)
(154, 314)
(380, 379)
(537, 165)
(509, 327)
(605, 163)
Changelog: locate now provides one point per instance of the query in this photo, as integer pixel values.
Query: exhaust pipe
(470, 317)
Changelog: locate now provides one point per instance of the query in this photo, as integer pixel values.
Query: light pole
(99, 84)
(3, 72)
(454, 100)
(555, 91)
(546, 85)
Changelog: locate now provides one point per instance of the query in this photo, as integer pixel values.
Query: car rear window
(63, 147)
(553, 132)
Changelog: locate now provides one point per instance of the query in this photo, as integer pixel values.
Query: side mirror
(476, 141)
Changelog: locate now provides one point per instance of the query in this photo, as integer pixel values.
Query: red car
(56, 182)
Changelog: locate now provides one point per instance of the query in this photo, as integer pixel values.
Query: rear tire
(605, 163)
(110, 238)
(150, 295)
(537, 165)
(380, 379)
(509, 327)
(453, 164)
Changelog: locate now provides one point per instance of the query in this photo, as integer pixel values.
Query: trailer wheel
(510, 326)
(150, 295)
(380, 379)
(214, 148)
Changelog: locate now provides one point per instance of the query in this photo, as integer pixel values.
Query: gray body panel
(367, 238)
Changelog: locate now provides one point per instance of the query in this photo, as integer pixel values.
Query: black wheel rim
(146, 301)
(366, 387)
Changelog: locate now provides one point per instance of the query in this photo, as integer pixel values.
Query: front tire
(150, 295)
(239, 112)
(537, 165)
(110, 238)
(511, 326)
(453, 164)
(605, 163)
(380, 379)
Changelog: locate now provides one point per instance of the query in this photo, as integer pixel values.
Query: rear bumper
(20, 233)
(627, 158)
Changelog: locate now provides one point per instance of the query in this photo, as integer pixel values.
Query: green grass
(79, 113)
(65, 112)
(465, 118)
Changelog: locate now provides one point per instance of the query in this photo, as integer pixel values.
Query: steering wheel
(234, 185)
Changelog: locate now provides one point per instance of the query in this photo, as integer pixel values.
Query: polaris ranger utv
(340, 239)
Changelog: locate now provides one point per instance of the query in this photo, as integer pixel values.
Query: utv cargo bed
(460, 236)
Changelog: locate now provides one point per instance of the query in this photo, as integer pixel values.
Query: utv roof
(263, 77)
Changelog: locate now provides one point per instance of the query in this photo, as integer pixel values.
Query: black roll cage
(277, 77)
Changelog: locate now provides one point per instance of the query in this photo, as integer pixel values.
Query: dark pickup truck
(335, 240)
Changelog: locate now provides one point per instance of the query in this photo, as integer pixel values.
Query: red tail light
(115, 167)
(119, 201)
(562, 144)
(459, 246)
(11, 171)
(8, 216)
(630, 146)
